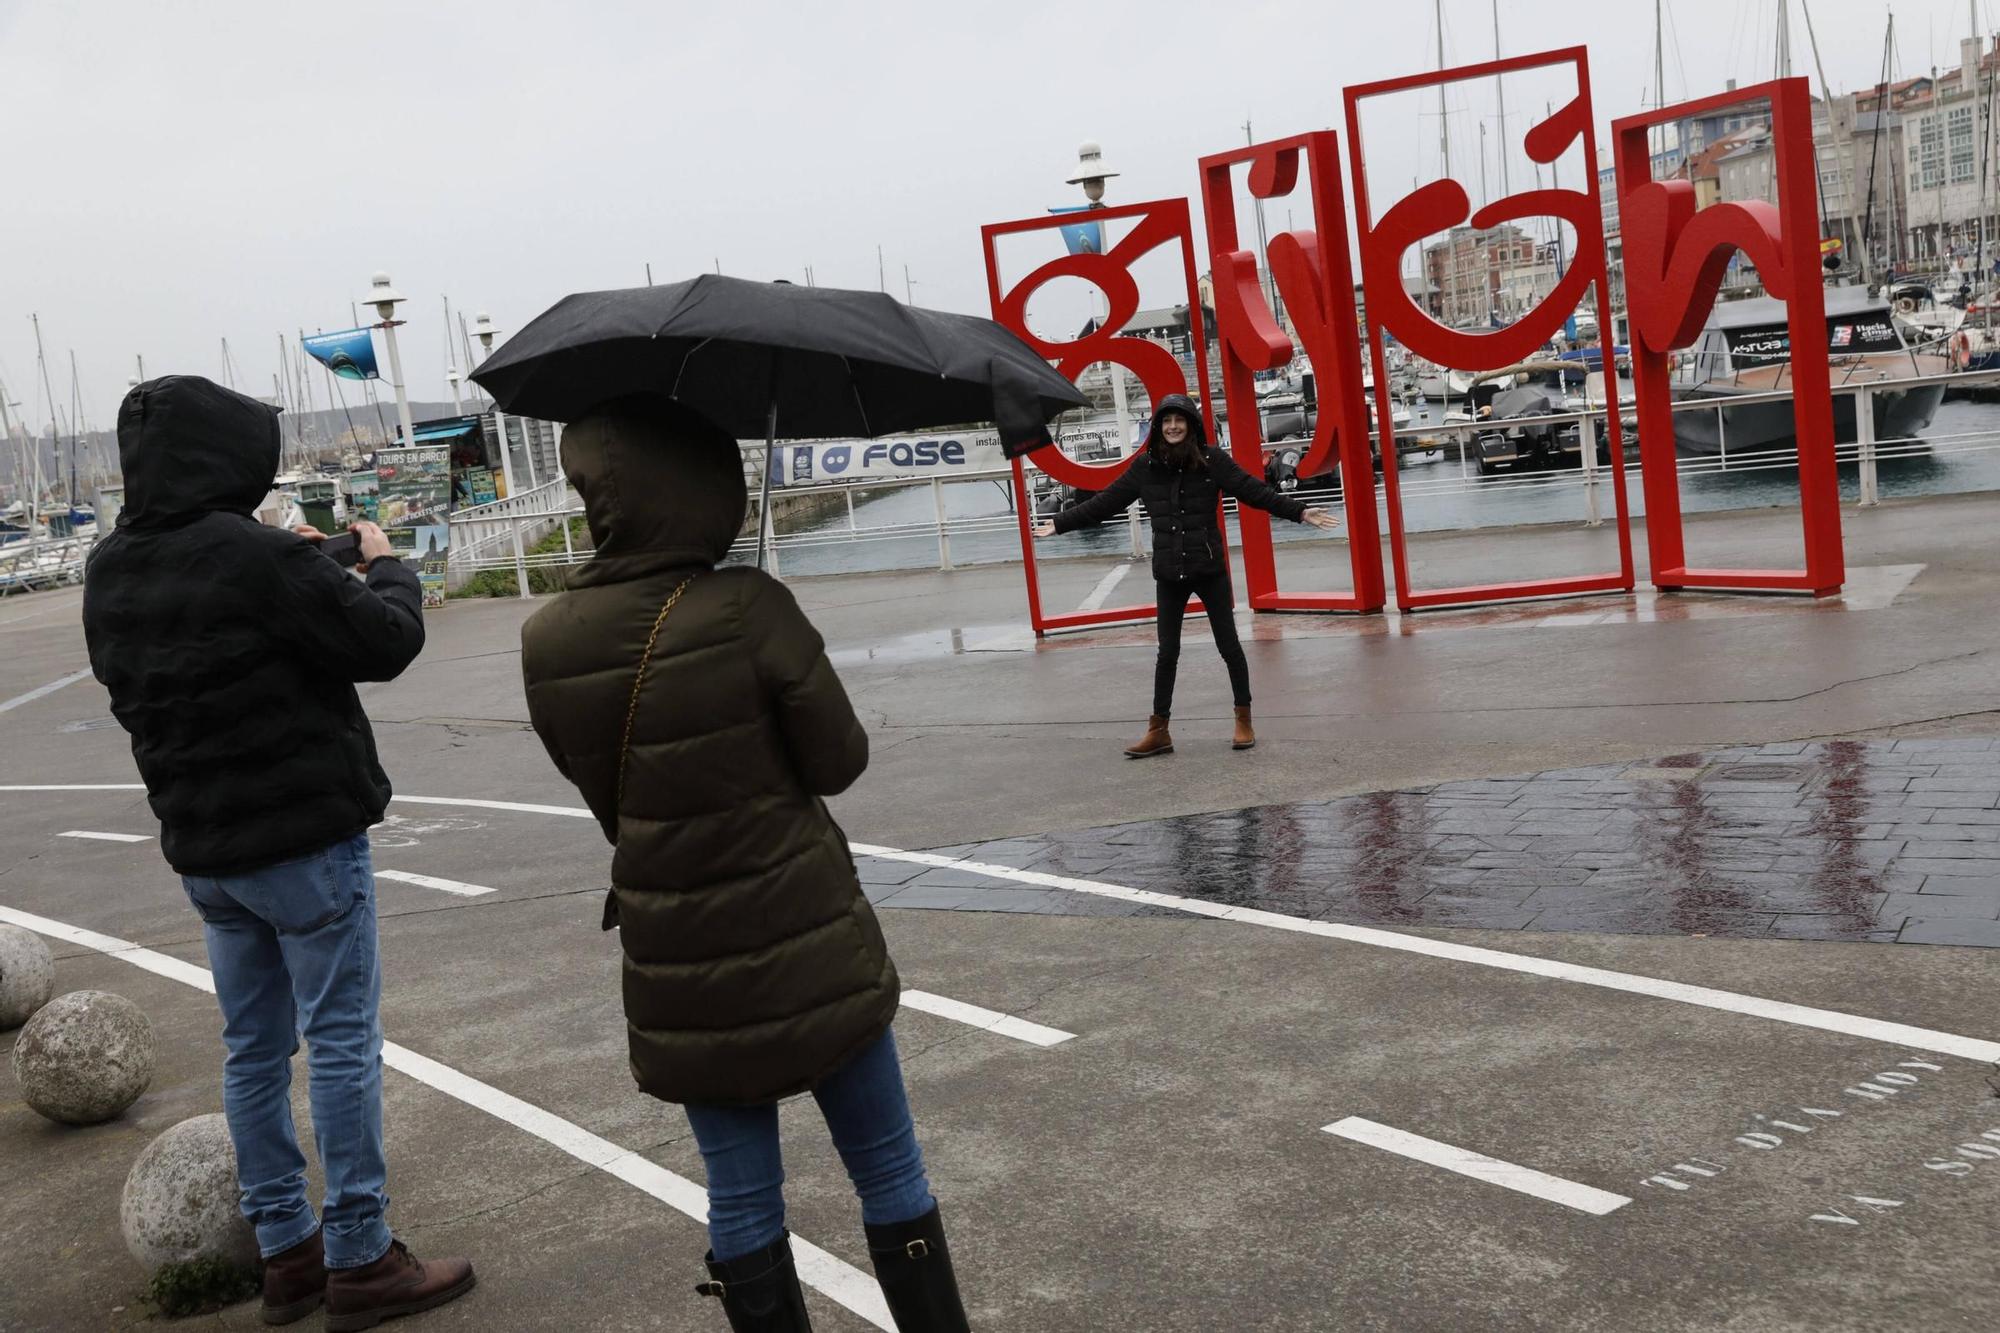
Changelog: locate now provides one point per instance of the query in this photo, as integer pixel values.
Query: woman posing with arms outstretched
(1181, 477)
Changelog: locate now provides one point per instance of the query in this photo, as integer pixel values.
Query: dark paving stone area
(1887, 841)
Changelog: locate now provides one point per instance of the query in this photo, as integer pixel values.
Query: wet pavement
(1880, 841)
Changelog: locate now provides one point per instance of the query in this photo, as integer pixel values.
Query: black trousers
(1220, 602)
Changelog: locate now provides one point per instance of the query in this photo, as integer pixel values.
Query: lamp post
(1091, 173)
(385, 299)
(484, 329)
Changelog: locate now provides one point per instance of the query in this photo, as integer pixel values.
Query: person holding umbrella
(696, 711)
(1181, 477)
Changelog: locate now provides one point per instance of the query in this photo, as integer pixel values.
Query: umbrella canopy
(779, 361)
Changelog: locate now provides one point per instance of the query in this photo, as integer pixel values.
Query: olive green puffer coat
(754, 966)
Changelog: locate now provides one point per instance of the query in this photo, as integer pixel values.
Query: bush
(202, 1286)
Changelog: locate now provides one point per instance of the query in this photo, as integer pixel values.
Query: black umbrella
(781, 361)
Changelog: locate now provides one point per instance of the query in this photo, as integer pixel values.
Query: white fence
(50, 562)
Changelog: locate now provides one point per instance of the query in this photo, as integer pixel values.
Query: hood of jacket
(662, 488)
(1156, 443)
(190, 447)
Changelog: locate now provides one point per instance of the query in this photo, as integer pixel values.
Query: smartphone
(343, 550)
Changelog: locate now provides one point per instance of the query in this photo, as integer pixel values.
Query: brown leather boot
(295, 1282)
(397, 1284)
(1157, 740)
(1245, 738)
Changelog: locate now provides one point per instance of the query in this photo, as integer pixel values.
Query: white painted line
(836, 1278)
(573, 811)
(1521, 1179)
(83, 786)
(1754, 1006)
(41, 690)
(1102, 591)
(34, 615)
(105, 837)
(986, 1020)
(431, 882)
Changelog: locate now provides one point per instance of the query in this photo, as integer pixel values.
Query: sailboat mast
(1659, 74)
(1500, 97)
(75, 424)
(1784, 39)
(1444, 126)
(49, 392)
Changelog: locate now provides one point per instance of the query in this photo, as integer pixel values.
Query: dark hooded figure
(696, 711)
(1181, 478)
(231, 651)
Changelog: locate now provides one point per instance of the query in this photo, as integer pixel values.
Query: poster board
(415, 510)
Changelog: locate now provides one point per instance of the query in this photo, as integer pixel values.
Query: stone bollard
(27, 977)
(84, 1057)
(180, 1201)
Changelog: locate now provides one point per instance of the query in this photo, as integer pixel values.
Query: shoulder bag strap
(639, 682)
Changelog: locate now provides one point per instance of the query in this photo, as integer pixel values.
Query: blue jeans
(869, 1118)
(292, 947)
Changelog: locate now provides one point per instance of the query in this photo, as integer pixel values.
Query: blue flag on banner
(349, 354)
(1082, 238)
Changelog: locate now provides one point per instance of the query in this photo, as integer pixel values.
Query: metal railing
(499, 533)
(1572, 493)
(31, 564)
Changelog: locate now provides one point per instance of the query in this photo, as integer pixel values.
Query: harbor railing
(944, 522)
(32, 564)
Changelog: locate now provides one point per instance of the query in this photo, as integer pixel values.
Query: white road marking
(837, 1279)
(573, 811)
(1754, 1006)
(432, 882)
(987, 1020)
(83, 786)
(105, 837)
(32, 615)
(1521, 1179)
(1104, 586)
(41, 690)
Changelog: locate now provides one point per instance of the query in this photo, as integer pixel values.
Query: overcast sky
(181, 173)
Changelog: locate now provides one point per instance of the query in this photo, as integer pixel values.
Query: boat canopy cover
(1768, 310)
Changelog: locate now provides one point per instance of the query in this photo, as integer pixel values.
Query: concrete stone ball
(84, 1057)
(27, 976)
(180, 1200)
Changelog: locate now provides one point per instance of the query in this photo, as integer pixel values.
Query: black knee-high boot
(913, 1265)
(759, 1292)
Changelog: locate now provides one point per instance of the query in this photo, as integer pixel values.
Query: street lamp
(484, 329)
(1091, 172)
(385, 298)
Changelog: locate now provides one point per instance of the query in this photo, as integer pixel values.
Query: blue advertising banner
(349, 354)
(1082, 238)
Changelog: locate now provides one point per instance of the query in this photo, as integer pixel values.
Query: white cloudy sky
(178, 173)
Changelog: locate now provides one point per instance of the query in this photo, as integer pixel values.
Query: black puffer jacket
(1184, 506)
(754, 966)
(231, 649)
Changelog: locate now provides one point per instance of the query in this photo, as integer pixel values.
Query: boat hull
(1751, 427)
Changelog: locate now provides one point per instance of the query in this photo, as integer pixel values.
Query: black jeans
(1220, 601)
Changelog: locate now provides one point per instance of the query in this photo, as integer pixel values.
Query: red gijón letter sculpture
(1161, 222)
(1314, 279)
(1442, 205)
(1675, 259)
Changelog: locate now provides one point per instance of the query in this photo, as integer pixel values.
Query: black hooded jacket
(1184, 505)
(231, 649)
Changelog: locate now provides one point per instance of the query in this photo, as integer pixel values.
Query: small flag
(349, 354)
(1082, 238)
